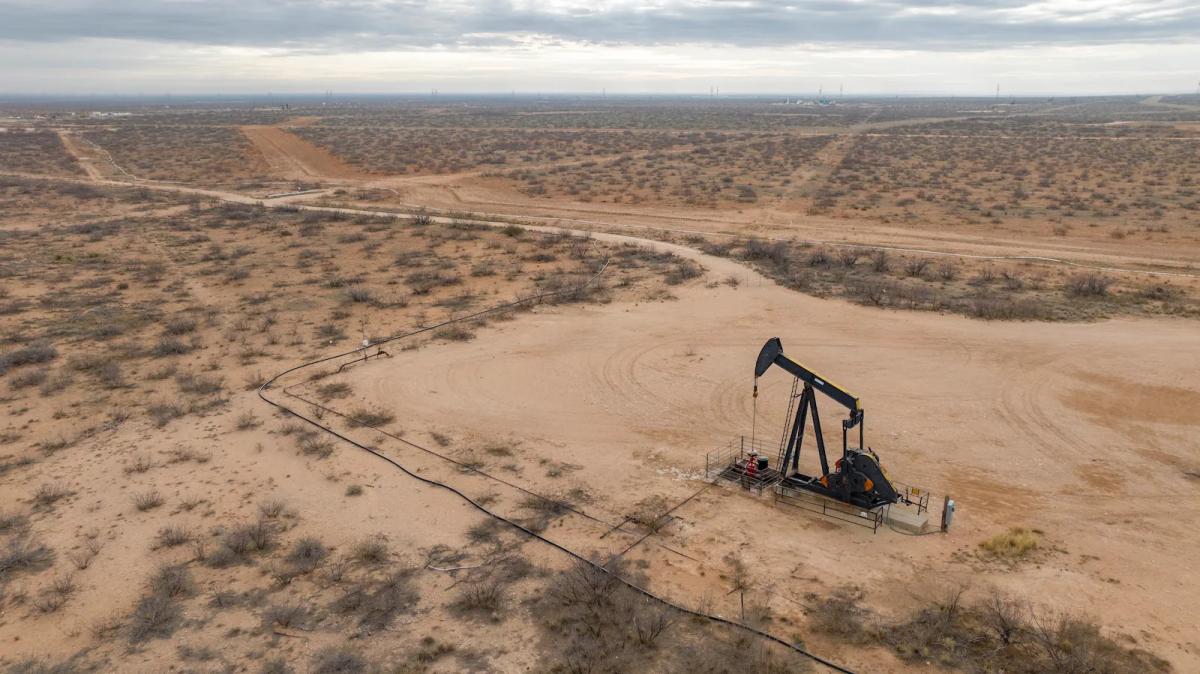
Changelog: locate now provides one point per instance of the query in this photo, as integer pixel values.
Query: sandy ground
(1086, 432)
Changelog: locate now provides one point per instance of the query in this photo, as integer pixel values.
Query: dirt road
(291, 157)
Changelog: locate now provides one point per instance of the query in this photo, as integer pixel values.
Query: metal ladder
(787, 427)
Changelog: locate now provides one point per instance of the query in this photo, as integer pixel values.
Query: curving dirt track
(1087, 432)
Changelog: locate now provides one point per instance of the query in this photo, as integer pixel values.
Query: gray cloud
(342, 25)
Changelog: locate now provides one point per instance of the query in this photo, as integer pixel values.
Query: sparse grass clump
(333, 390)
(1016, 543)
(373, 417)
(147, 500)
(238, 543)
(307, 553)
(48, 494)
(172, 536)
(454, 333)
(272, 508)
(10, 522)
(371, 552)
(246, 421)
(55, 595)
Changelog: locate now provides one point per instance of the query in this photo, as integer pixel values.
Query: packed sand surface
(1048, 425)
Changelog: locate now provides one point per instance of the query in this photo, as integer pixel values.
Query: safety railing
(729, 464)
(823, 505)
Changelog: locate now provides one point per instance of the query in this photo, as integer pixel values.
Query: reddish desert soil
(292, 157)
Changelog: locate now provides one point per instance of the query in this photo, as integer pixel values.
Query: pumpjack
(857, 477)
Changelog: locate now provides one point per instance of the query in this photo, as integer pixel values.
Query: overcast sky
(624, 46)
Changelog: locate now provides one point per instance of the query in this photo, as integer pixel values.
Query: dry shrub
(147, 500)
(373, 417)
(29, 378)
(21, 554)
(1016, 543)
(335, 660)
(841, 614)
(486, 532)
(10, 522)
(284, 615)
(371, 552)
(307, 554)
(172, 346)
(55, 595)
(237, 544)
(334, 390)
(592, 622)
(172, 581)
(172, 536)
(1089, 284)
(246, 421)
(683, 270)
(195, 384)
(454, 333)
(1000, 634)
(649, 513)
(377, 603)
(28, 355)
(164, 413)
(917, 267)
(49, 494)
(155, 616)
(480, 599)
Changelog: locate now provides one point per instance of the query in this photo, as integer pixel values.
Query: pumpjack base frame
(813, 484)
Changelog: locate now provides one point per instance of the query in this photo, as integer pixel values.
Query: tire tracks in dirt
(294, 158)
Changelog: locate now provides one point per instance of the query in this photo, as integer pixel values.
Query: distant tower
(841, 90)
(997, 91)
